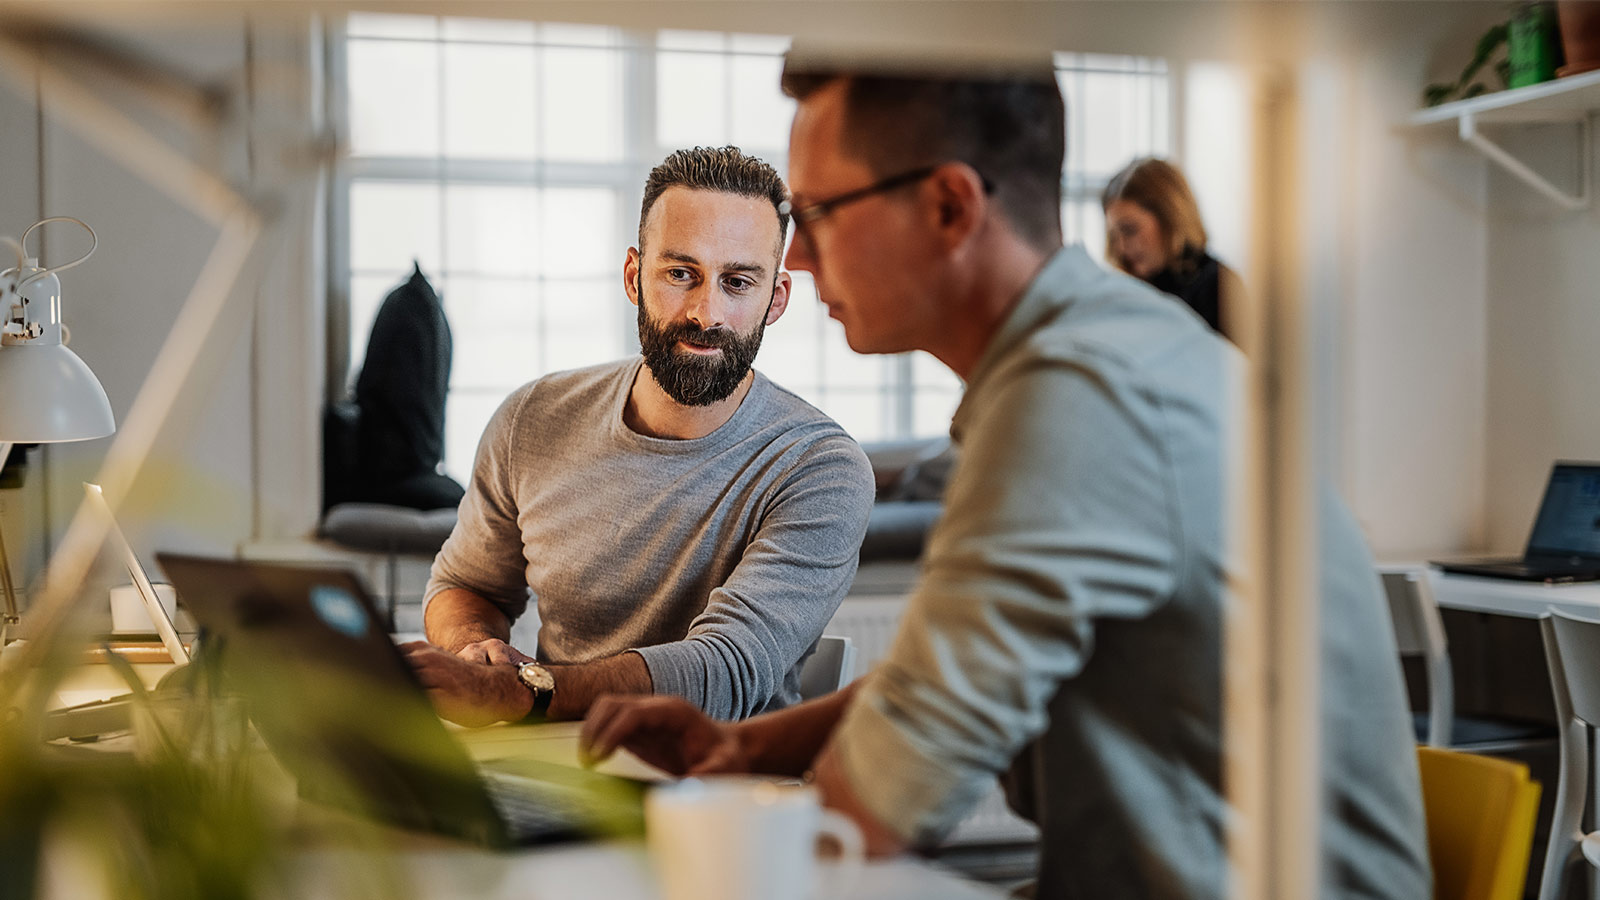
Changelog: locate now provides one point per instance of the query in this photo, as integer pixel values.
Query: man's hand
(667, 732)
(837, 793)
(494, 652)
(468, 693)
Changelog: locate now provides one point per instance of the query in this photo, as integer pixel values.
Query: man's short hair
(725, 169)
(1009, 124)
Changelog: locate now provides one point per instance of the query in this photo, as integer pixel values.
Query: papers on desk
(555, 742)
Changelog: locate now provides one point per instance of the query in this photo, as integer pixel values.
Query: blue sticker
(339, 609)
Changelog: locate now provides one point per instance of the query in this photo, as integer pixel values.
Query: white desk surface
(613, 870)
(432, 869)
(1527, 599)
(620, 871)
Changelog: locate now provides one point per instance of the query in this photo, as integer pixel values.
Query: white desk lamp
(47, 394)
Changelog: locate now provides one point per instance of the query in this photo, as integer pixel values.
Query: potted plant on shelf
(1522, 51)
(1468, 85)
(1580, 35)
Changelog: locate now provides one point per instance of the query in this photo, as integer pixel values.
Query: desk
(1524, 599)
(615, 871)
(428, 867)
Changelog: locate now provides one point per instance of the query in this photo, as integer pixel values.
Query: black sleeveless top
(1194, 278)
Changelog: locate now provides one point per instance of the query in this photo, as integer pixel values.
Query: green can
(1533, 46)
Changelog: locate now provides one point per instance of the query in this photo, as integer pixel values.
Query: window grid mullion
(1145, 84)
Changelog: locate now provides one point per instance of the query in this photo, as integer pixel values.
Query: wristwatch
(541, 683)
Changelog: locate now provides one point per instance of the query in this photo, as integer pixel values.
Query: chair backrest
(1481, 812)
(1578, 647)
(831, 667)
(1572, 653)
(1418, 631)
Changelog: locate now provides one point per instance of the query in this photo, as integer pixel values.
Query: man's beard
(691, 379)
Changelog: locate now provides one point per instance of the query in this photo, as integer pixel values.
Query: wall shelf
(1571, 99)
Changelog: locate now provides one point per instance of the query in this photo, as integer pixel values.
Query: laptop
(337, 704)
(1565, 543)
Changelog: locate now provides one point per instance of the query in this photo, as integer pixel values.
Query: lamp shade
(48, 394)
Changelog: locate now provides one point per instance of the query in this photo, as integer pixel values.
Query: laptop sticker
(341, 611)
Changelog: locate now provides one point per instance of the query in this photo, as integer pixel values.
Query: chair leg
(392, 601)
(1571, 792)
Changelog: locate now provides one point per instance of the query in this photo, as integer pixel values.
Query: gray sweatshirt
(718, 559)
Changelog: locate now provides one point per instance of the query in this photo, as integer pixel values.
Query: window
(508, 160)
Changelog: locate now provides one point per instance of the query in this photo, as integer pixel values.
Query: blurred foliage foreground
(174, 810)
(189, 803)
(185, 804)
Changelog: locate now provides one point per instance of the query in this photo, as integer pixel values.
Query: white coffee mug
(128, 614)
(744, 838)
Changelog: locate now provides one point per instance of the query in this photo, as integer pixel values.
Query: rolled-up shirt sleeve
(484, 553)
(784, 589)
(1059, 514)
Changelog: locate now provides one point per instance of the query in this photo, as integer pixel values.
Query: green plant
(1488, 46)
(186, 807)
(181, 815)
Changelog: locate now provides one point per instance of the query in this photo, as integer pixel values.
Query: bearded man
(686, 526)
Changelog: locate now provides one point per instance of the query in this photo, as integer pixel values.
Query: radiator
(869, 622)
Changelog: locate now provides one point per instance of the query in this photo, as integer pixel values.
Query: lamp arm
(12, 615)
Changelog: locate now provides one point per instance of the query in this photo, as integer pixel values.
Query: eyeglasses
(806, 215)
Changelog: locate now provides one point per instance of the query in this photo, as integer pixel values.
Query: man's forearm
(788, 741)
(578, 686)
(456, 617)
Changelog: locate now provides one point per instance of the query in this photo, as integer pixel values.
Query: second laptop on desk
(1564, 545)
(339, 707)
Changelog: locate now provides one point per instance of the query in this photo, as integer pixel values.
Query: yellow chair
(1481, 813)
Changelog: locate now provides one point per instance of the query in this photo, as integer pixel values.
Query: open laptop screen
(1569, 518)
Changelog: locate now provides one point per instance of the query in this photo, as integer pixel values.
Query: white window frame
(626, 177)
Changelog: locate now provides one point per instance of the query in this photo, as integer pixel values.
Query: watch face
(536, 677)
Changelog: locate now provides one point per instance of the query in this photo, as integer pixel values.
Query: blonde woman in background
(1154, 232)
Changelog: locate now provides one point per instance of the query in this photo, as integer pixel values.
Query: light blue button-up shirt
(1068, 624)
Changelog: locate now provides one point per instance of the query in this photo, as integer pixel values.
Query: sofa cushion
(388, 529)
(889, 459)
(898, 528)
(926, 476)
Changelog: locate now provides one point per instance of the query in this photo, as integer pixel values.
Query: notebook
(340, 708)
(1564, 545)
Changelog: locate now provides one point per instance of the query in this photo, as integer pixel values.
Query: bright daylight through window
(508, 160)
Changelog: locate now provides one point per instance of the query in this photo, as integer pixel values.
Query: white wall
(1393, 231)
(1543, 324)
(21, 510)
(1468, 358)
(238, 456)
(1415, 358)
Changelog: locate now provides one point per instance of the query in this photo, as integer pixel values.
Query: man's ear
(630, 275)
(960, 202)
(780, 297)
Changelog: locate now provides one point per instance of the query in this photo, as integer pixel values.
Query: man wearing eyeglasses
(686, 526)
(1067, 626)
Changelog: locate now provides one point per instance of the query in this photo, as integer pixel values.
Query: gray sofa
(910, 477)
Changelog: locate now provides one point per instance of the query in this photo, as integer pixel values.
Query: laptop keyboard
(538, 800)
(534, 810)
